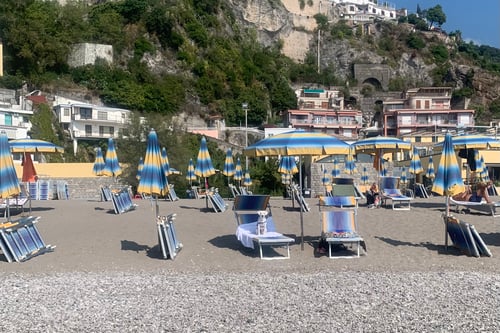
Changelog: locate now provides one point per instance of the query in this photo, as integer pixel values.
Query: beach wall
(82, 184)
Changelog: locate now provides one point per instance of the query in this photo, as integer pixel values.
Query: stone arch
(378, 75)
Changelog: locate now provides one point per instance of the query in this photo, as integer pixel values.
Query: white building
(365, 10)
(87, 121)
(15, 114)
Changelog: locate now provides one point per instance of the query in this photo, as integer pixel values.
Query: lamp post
(245, 108)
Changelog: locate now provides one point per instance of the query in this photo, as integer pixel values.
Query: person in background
(475, 192)
(373, 196)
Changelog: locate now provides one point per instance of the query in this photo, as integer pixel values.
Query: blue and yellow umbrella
(326, 179)
(350, 165)
(404, 176)
(472, 142)
(484, 172)
(364, 176)
(153, 180)
(34, 146)
(288, 165)
(247, 181)
(430, 169)
(190, 176)
(9, 183)
(229, 168)
(204, 167)
(98, 168)
(415, 163)
(378, 143)
(140, 166)
(112, 166)
(335, 169)
(238, 171)
(166, 163)
(448, 180)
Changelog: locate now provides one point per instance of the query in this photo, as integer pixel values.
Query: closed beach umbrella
(383, 167)
(9, 184)
(34, 146)
(153, 180)
(404, 177)
(484, 173)
(29, 172)
(479, 162)
(247, 181)
(350, 165)
(229, 168)
(326, 180)
(140, 166)
(112, 166)
(165, 161)
(448, 180)
(204, 167)
(364, 176)
(430, 169)
(298, 143)
(98, 168)
(238, 171)
(190, 176)
(288, 165)
(415, 163)
(335, 169)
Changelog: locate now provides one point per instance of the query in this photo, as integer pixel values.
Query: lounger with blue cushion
(339, 228)
(390, 191)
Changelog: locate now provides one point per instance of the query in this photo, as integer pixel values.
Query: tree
(436, 15)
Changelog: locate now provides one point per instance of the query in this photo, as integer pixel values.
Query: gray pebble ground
(260, 302)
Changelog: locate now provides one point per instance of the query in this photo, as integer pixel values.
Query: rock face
(292, 23)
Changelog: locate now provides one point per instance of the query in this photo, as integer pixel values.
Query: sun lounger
(234, 190)
(169, 243)
(338, 217)
(483, 207)
(20, 240)
(171, 196)
(391, 192)
(465, 237)
(246, 207)
(216, 201)
(122, 201)
(299, 198)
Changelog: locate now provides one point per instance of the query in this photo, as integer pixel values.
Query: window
(85, 113)
(88, 130)
(106, 130)
(418, 104)
(102, 115)
(427, 104)
(66, 112)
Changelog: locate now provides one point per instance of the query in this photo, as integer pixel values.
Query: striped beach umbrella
(140, 166)
(326, 179)
(448, 180)
(247, 181)
(238, 171)
(404, 176)
(415, 163)
(383, 167)
(286, 178)
(9, 183)
(190, 176)
(381, 143)
(34, 146)
(298, 143)
(165, 161)
(430, 169)
(204, 167)
(153, 180)
(472, 142)
(229, 168)
(335, 169)
(350, 165)
(112, 166)
(364, 176)
(484, 172)
(288, 165)
(98, 168)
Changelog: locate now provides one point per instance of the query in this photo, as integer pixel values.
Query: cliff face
(295, 26)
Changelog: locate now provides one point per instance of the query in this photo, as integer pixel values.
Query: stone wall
(86, 188)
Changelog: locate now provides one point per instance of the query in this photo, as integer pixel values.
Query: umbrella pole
(206, 193)
(446, 223)
(300, 205)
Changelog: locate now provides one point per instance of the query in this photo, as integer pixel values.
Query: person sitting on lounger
(475, 192)
(372, 196)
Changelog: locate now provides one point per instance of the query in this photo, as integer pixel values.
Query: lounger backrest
(338, 221)
(389, 182)
(253, 202)
(340, 201)
(343, 190)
